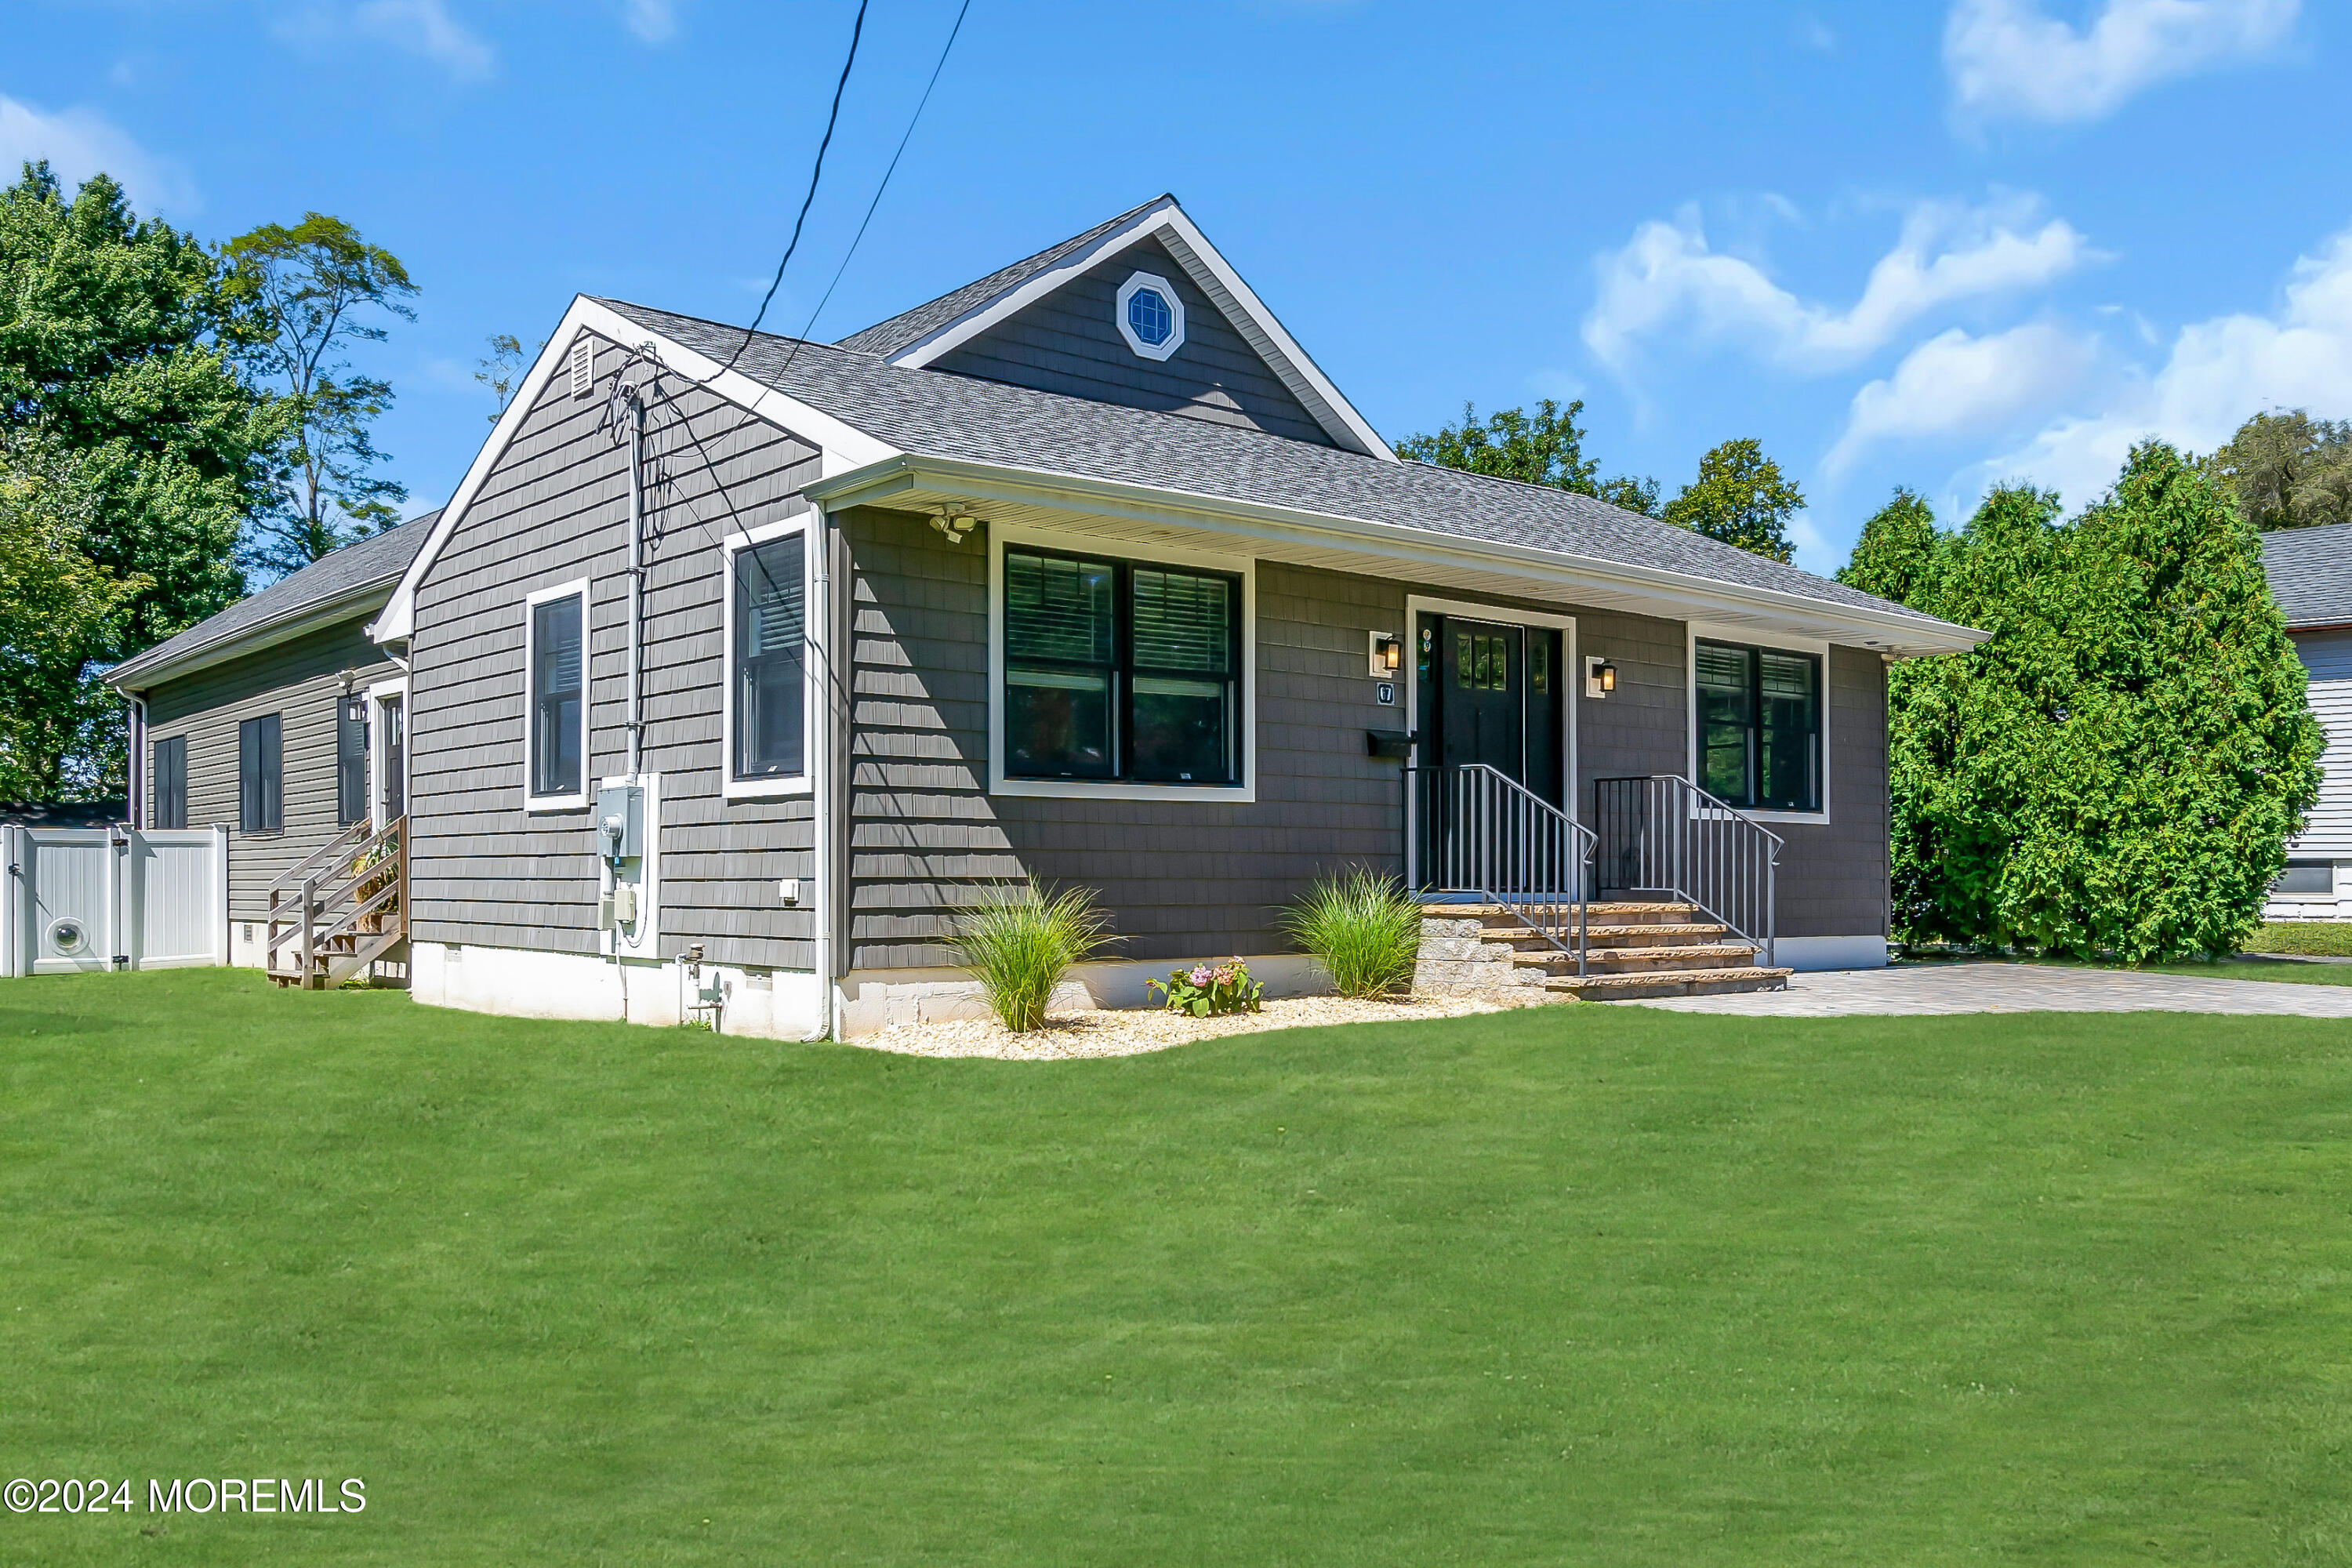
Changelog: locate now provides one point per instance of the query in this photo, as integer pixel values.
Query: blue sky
(1934, 244)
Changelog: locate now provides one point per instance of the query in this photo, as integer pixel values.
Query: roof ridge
(992, 285)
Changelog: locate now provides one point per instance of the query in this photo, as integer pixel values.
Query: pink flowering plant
(1206, 990)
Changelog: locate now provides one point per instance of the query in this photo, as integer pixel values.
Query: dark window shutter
(260, 784)
(351, 760)
(172, 782)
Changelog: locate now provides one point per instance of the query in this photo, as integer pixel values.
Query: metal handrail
(1481, 831)
(1664, 834)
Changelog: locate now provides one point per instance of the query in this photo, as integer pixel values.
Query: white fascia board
(1216, 278)
(1688, 597)
(844, 446)
(132, 675)
(1241, 305)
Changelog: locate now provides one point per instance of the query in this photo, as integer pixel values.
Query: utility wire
(914, 119)
(816, 174)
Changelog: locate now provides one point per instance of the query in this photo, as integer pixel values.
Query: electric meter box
(627, 804)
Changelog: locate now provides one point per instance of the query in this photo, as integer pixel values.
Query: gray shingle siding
(1186, 879)
(1069, 342)
(301, 680)
(555, 509)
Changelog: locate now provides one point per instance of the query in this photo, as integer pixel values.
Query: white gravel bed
(1128, 1032)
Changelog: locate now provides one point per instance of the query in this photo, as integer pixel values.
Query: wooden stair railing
(343, 908)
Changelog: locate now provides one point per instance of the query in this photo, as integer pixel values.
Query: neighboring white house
(2310, 571)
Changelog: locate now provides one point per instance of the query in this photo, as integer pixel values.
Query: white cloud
(653, 21)
(1666, 277)
(420, 27)
(2216, 374)
(1956, 384)
(79, 144)
(2006, 58)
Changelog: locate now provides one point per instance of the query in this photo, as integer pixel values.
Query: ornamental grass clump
(1020, 942)
(1364, 928)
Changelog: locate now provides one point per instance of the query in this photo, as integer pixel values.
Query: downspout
(821, 769)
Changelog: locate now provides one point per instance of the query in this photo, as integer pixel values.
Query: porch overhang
(1142, 516)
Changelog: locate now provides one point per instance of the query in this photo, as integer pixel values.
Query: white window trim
(1416, 605)
(1001, 534)
(377, 753)
(1135, 283)
(1694, 632)
(776, 788)
(577, 801)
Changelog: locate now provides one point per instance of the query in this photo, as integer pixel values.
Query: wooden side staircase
(343, 910)
(1633, 950)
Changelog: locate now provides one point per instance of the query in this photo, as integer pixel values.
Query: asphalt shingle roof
(887, 338)
(2310, 570)
(937, 413)
(377, 561)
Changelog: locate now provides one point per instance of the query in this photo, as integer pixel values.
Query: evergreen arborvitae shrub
(2117, 770)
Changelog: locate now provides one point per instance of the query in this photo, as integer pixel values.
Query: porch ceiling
(1138, 519)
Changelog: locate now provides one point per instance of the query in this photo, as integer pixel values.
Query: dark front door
(1482, 704)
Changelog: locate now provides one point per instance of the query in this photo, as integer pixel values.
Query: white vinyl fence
(112, 898)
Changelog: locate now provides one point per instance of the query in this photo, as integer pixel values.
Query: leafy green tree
(502, 369)
(2286, 469)
(1741, 497)
(2117, 769)
(60, 613)
(1897, 554)
(312, 292)
(1545, 450)
(114, 348)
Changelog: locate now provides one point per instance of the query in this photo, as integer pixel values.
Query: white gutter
(1698, 596)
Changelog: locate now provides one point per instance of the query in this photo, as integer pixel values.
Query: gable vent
(583, 366)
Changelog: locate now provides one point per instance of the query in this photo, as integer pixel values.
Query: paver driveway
(1995, 988)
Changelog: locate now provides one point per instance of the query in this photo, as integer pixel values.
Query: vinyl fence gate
(112, 898)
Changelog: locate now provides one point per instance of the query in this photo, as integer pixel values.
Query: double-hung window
(171, 782)
(767, 692)
(1758, 712)
(260, 775)
(557, 655)
(1121, 671)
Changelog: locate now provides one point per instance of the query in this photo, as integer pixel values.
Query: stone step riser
(1656, 962)
(1705, 983)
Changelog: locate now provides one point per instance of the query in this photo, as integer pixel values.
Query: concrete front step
(1656, 914)
(1671, 982)
(1645, 960)
(1612, 936)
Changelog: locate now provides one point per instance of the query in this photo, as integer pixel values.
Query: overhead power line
(816, 174)
(912, 120)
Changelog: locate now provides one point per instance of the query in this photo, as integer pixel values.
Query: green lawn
(1579, 1285)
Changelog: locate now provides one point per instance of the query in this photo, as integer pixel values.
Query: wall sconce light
(954, 526)
(1388, 653)
(1599, 677)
